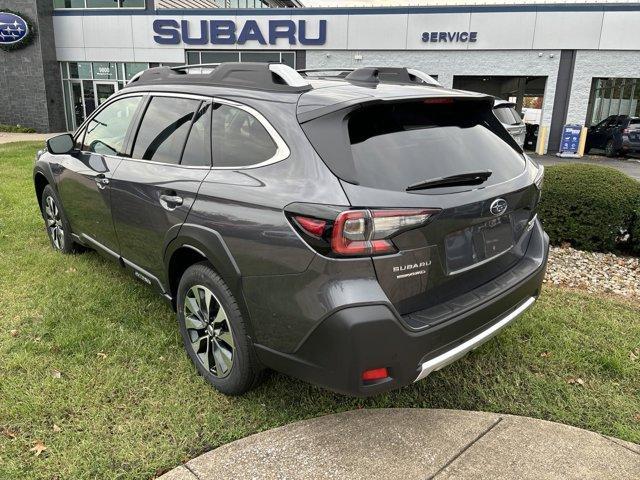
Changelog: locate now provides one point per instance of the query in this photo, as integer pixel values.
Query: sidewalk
(418, 444)
(6, 137)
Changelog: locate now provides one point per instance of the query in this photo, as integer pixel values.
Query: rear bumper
(363, 337)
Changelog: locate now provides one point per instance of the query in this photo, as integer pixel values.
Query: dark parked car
(617, 134)
(358, 232)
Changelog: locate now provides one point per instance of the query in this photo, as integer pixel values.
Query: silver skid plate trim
(461, 350)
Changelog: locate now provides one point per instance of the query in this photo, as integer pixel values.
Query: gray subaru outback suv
(357, 229)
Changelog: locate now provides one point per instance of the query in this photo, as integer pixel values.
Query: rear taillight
(361, 232)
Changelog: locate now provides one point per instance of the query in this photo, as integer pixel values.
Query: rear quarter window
(239, 139)
(507, 115)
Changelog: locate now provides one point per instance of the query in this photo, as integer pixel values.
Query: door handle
(170, 202)
(101, 180)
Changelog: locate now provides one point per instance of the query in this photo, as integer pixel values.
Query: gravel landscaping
(594, 272)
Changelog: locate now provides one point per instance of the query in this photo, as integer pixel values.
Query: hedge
(15, 129)
(591, 207)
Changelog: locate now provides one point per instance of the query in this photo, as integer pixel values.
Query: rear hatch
(479, 231)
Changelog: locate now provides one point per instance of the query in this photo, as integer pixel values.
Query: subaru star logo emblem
(12, 28)
(15, 31)
(498, 206)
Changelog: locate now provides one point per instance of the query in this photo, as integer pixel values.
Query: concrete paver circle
(418, 444)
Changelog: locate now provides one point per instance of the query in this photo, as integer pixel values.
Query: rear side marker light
(312, 226)
(375, 374)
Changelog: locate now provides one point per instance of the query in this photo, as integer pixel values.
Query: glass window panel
(64, 70)
(107, 130)
(193, 58)
(67, 105)
(68, 3)
(239, 139)
(105, 71)
(76, 102)
(197, 151)
(260, 57)
(164, 129)
(219, 57)
(131, 69)
(102, 3)
(79, 70)
(289, 58)
(89, 97)
(132, 3)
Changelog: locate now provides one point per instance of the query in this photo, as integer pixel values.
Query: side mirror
(60, 144)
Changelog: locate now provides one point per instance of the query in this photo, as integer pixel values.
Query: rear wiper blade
(468, 178)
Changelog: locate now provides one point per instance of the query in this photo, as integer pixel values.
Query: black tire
(202, 342)
(56, 222)
(610, 149)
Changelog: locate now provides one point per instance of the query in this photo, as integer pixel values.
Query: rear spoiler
(308, 112)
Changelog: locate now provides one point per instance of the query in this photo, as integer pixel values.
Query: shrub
(15, 129)
(591, 207)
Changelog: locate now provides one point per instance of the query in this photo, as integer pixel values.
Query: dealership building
(565, 62)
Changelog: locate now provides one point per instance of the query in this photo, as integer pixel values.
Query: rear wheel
(58, 228)
(214, 332)
(610, 149)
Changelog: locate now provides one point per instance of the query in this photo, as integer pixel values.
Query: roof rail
(341, 72)
(258, 76)
(403, 76)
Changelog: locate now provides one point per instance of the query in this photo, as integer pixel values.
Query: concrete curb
(418, 444)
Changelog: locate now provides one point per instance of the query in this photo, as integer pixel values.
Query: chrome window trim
(282, 149)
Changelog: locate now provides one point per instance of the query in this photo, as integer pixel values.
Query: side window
(164, 129)
(239, 139)
(107, 130)
(197, 151)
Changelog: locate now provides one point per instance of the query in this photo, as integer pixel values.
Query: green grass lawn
(92, 365)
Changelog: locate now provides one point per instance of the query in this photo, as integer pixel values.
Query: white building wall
(592, 64)
(446, 64)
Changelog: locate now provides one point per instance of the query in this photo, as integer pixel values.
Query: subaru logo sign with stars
(15, 31)
(498, 206)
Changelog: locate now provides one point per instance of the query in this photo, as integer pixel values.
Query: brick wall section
(30, 87)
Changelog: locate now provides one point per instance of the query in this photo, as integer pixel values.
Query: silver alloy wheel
(54, 222)
(209, 331)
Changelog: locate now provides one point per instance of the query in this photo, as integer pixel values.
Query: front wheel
(214, 332)
(58, 228)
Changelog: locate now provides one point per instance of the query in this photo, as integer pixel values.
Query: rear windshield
(507, 115)
(634, 123)
(392, 146)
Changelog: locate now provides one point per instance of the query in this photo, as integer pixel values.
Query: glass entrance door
(103, 90)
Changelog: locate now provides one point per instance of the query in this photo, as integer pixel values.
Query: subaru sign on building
(559, 63)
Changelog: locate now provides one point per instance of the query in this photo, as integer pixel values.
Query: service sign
(16, 31)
